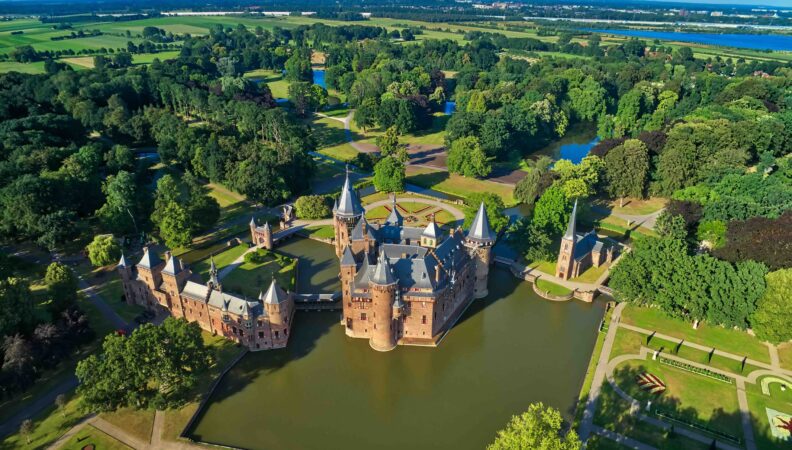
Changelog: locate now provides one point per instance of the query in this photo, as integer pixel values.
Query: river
(329, 391)
(751, 41)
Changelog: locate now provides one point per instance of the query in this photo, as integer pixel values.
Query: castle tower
(148, 269)
(479, 240)
(394, 218)
(127, 275)
(346, 213)
(383, 297)
(214, 281)
(261, 236)
(431, 234)
(277, 303)
(348, 269)
(174, 276)
(566, 254)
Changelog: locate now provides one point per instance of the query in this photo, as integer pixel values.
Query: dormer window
(248, 324)
(226, 318)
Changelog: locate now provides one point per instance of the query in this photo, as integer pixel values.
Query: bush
(258, 257)
(103, 250)
(312, 207)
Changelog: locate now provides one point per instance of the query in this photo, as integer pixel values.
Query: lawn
(251, 279)
(420, 211)
(757, 402)
(785, 355)
(548, 267)
(727, 340)
(457, 185)
(232, 205)
(320, 232)
(277, 84)
(621, 229)
(695, 398)
(223, 257)
(12, 66)
(551, 288)
(47, 426)
(341, 152)
(90, 435)
(637, 207)
(328, 132)
(137, 422)
(592, 274)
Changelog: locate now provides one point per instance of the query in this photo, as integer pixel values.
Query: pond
(574, 146)
(449, 108)
(752, 41)
(329, 391)
(319, 77)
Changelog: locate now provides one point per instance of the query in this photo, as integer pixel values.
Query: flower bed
(696, 370)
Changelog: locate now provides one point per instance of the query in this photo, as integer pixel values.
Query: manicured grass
(251, 279)
(620, 226)
(757, 404)
(320, 232)
(232, 205)
(552, 288)
(433, 136)
(148, 58)
(592, 365)
(626, 342)
(221, 260)
(274, 79)
(637, 207)
(697, 398)
(137, 422)
(328, 132)
(111, 291)
(548, 267)
(591, 274)
(91, 435)
(728, 340)
(342, 152)
(457, 185)
(47, 427)
(785, 355)
(421, 211)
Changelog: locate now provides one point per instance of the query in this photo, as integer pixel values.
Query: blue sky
(787, 3)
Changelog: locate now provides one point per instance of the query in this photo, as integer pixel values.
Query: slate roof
(349, 203)
(382, 274)
(224, 301)
(174, 266)
(394, 218)
(480, 229)
(432, 230)
(571, 232)
(347, 258)
(149, 259)
(123, 261)
(275, 295)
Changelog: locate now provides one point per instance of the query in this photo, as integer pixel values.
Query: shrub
(312, 207)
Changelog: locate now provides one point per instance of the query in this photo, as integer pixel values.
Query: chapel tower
(566, 254)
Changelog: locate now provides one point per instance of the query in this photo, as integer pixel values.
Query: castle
(257, 324)
(399, 285)
(403, 285)
(579, 252)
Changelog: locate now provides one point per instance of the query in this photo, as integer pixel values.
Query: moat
(330, 391)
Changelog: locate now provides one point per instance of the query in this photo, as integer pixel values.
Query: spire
(122, 263)
(348, 259)
(173, 266)
(266, 226)
(348, 204)
(253, 222)
(275, 294)
(149, 260)
(571, 232)
(383, 275)
(480, 228)
(394, 218)
(432, 230)
(215, 282)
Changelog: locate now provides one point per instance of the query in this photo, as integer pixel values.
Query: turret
(394, 218)
(261, 236)
(566, 254)
(430, 237)
(127, 273)
(276, 302)
(149, 269)
(346, 214)
(383, 295)
(479, 240)
(214, 280)
(174, 275)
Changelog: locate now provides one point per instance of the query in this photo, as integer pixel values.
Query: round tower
(479, 240)
(383, 296)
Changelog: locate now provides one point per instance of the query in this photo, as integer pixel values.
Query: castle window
(423, 320)
(261, 335)
(277, 335)
(362, 316)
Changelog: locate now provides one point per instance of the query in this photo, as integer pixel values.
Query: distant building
(258, 324)
(403, 285)
(580, 251)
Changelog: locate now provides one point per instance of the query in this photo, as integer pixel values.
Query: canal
(328, 391)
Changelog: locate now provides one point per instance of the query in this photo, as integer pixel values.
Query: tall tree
(468, 159)
(103, 250)
(627, 169)
(772, 320)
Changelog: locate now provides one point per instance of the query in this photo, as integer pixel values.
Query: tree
(174, 225)
(552, 211)
(61, 285)
(533, 184)
(772, 320)
(16, 306)
(493, 205)
(26, 429)
(307, 97)
(390, 146)
(468, 159)
(312, 207)
(671, 225)
(298, 66)
(103, 250)
(760, 239)
(627, 170)
(538, 428)
(118, 212)
(389, 175)
(366, 114)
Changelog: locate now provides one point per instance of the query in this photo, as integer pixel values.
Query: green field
(457, 185)
(251, 279)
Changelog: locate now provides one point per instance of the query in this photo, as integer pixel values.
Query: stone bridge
(318, 302)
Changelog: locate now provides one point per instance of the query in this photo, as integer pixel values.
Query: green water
(327, 391)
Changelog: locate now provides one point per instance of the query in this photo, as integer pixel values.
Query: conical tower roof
(383, 275)
(432, 230)
(348, 204)
(274, 294)
(480, 228)
(571, 232)
(347, 258)
(123, 261)
(173, 266)
(149, 259)
(394, 218)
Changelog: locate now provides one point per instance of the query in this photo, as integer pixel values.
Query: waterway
(574, 146)
(329, 391)
(751, 41)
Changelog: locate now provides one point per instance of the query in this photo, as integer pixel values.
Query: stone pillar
(383, 336)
